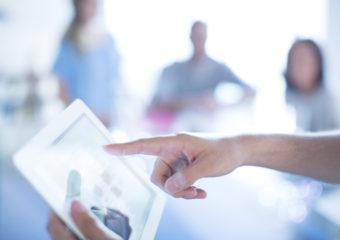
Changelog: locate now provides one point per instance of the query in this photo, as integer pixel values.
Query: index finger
(151, 146)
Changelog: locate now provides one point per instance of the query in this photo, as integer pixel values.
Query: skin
(85, 10)
(183, 159)
(85, 223)
(198, 37)
(304, 68)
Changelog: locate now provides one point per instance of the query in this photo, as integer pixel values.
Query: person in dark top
(305, 91)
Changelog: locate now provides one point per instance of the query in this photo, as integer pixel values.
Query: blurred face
(199, 37)
(304, 67)
(85, 10)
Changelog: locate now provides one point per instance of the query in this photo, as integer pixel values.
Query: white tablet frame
(48, 135)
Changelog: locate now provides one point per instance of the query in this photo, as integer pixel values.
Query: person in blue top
(87, 63)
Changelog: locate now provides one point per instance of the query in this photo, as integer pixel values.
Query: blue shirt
(91, 76)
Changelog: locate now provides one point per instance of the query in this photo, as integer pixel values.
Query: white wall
(30, 32)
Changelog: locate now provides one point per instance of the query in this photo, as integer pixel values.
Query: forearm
(316, 156)
(184, 158)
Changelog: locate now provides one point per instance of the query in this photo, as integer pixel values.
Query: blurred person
(87, 63)
(305, 91)
(191, 84)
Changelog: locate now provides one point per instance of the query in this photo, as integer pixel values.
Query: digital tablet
(66, 161)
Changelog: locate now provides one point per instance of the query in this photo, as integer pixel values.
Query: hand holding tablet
(66, 161)
(83, 220)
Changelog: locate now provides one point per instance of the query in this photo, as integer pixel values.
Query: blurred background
(159, 67)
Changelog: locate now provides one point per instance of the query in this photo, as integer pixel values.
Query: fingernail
(77, 207)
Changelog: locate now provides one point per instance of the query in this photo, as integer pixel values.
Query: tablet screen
(76, 166)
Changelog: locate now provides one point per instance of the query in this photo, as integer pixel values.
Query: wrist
(245, 145)
(239, 149)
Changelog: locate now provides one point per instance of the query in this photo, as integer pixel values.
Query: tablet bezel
(48, 135)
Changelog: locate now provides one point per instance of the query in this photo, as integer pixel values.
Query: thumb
(85, 223)
(184, 178)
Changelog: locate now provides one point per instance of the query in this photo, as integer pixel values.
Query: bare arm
(316, 156)
(183, 159)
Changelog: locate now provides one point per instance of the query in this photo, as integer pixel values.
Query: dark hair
(317, 51)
